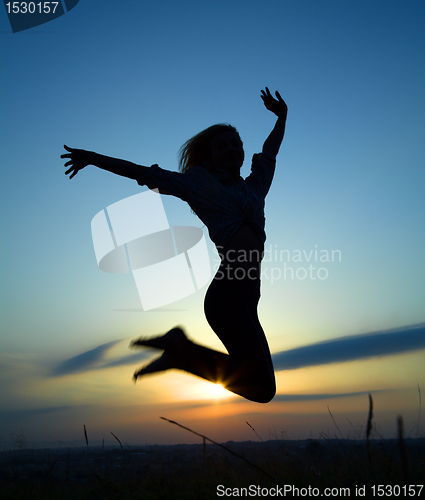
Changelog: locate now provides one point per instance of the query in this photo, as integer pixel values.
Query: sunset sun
(206, 391)
(217, 391)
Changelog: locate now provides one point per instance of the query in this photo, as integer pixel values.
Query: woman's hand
(276, 106)
(78, 159)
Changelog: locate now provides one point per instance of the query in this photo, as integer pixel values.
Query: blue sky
(135, 80)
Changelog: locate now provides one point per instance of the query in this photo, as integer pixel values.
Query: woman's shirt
(222, 202)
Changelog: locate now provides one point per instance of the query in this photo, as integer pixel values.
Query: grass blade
(85, 435)
(224, 447)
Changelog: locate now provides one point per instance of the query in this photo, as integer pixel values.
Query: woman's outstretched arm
(79, 159)
(280, 109)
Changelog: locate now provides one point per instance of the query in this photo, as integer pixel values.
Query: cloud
(277, 399)
(368, 345)
(376, 344)
(83, 362)
(317, 397)
(130, 359)
(33, 412)
(93, 360)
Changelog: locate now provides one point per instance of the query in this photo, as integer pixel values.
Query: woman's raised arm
(280, 109)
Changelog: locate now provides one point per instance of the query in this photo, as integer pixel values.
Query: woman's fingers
(268, 98)
(275, 104)
(74, 164)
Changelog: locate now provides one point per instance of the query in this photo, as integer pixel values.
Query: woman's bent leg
(231, 310)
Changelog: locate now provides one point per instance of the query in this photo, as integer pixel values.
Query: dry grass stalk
(224, 448)
(117, 439)
(405, 468)
(419, 413)
(368, 432)
(329, 410)
(85, 435)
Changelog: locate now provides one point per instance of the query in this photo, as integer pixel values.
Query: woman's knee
(263, 392)
(267, 393)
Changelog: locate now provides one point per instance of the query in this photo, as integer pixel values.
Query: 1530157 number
(392, 491)
(31, 7)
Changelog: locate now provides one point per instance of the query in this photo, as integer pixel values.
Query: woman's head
(217, 146)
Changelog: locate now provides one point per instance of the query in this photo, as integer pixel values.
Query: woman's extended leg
(183, 354)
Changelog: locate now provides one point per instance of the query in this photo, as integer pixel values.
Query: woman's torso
(242, 254)
(245, 241)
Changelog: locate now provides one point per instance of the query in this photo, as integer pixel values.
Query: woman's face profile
(227, 152)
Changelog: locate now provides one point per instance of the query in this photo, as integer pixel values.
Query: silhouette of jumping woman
(233, 210)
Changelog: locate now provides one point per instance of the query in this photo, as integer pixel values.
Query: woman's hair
(196, 150)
